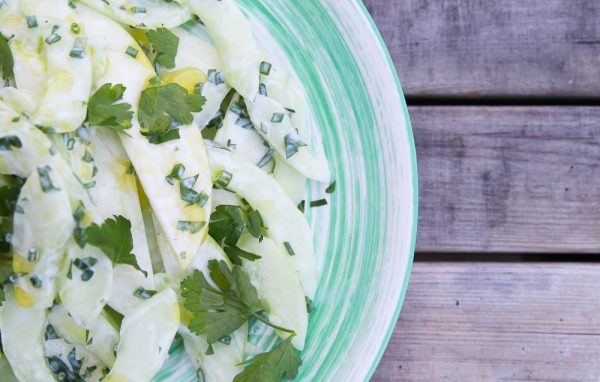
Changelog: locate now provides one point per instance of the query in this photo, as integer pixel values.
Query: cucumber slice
(100, 338)
(284, 88)
(39, 236)
(63, 105)
(116, 191)
(284, 221)
(245, 140)
(232, 33)
(223, 365)
(278, 287)
(85, 297)
(127, 280)
(22, 340)
(195, 50)
(149, 14)
(272, 122)
(146, 335)
(60, 352)
(292, 182)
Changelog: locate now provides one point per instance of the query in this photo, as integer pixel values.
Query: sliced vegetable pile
(153, 163)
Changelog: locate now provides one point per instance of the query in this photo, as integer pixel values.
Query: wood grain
(508, 48)
(497, 322)
(508, 179)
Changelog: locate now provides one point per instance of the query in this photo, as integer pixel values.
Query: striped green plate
(365, 238)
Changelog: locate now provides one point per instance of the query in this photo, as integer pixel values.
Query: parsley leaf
(165, 44)
(281, 362)
(219, 313)
(165, 107)
(228, 222)
(226, 226)
(114, 238)
(103, 109)
(6, 59)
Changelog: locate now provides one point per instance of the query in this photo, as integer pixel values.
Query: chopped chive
(266, 159)
(292, 143)
(236, 108)
(132, 51)
(70, 144)
(262, 90)
(309, 305)
(9, 142)
(289, 249)
(130, 169)
(89, 185)
(277, 117)
(202, 199)
(331, 188)
(226, 340)
(31, 22)
(52, 39)
(265, 68)
(192, 227)
(14, 276)
(50, 333)
(137, 10)
(244, 123)
(87, 157)
(264, 128)
(32, 254)
(94, 171)
(176, 174)
(85, 266)
(70, 271)
(318, 203)
(302, 205)
(144, 294)
(36, 281)
(75, 28)
(78, 48)
(215, 77)
(223, 179)
(45, 180)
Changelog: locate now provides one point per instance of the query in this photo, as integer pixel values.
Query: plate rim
(415, 189)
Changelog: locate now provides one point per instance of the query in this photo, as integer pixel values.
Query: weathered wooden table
(504, 99)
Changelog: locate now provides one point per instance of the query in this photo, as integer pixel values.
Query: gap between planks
(497, 322)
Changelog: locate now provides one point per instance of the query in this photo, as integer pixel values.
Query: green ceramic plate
(365, 238)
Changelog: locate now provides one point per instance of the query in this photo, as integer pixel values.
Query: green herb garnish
(114, 238)
(280, 363)
(45, 180)
(292, 143)
(9, 142)
(105, 110)
(219, 313)
(6, 59)
(188, 226)
(144, 294)
(163, 108)
(165, 45)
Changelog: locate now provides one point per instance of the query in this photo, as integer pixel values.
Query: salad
(153, 166)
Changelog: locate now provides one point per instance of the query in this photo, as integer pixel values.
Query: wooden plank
(474, 48)
(497, 322)
(508, 179)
